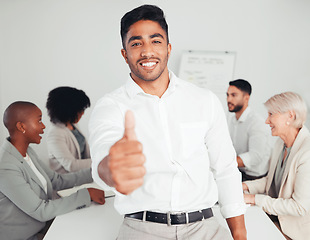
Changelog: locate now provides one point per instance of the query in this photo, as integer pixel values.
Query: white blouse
(36, 171)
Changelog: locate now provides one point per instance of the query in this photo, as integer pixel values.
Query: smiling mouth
(230, 105)
(149, 64)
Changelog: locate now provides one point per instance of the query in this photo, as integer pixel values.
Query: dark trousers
(43, 231)
(246, 177)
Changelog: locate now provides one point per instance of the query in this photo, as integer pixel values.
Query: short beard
(237, 108)
(134, 70)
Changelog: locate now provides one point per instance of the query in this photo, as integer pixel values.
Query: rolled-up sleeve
(224, 165)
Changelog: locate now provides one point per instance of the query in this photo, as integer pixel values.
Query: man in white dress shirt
(248, 131)
(171, 159)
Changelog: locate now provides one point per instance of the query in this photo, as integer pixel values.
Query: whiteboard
(208, 69)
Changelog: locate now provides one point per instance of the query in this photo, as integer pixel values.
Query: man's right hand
(124, 168)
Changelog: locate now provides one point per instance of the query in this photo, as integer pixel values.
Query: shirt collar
(134, 89)
(244, 115)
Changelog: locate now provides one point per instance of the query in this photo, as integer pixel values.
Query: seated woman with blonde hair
(67, 147)
(284, 193)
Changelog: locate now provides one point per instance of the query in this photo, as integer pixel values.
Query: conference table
(102, 222)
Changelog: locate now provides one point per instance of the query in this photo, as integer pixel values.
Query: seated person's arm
(259, 149)
(57, 147)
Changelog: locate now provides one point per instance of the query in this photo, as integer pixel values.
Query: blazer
(24, 205)
(293, 204)
(64, 150)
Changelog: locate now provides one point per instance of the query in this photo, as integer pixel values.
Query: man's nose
(147, 51)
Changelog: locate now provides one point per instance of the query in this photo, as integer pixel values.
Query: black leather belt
(172, 219)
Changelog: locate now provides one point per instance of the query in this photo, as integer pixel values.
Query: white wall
(50, 43)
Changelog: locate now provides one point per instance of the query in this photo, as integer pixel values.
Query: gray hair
(288, 101)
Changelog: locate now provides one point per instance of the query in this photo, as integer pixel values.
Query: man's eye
(156, 41)
(135, 44)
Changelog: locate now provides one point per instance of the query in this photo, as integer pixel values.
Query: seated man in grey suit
(248, 131)
(26, 183)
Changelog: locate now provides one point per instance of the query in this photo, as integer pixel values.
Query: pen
(109, 196)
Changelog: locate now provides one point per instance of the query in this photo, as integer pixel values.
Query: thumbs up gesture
(125, 163)
(129, 132)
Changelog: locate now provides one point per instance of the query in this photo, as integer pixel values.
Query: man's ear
(124, 54)
(246, 97)
(169, 49)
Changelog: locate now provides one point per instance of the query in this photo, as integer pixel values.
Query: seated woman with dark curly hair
(67, 147)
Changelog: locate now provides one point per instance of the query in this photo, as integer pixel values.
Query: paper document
(69, 191)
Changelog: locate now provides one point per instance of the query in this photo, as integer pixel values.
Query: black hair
(64, 103)
(242, 84)
(144, 12)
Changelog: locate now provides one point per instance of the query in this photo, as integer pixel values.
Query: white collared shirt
(190, 161)
(251, 139)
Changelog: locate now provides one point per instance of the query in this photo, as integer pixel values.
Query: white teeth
(148, 64)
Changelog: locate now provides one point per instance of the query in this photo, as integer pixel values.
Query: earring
(24, 131)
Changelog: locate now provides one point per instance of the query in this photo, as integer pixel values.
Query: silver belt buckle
(187, 218)
(203, 217)
(168, 219)
(144, 216)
